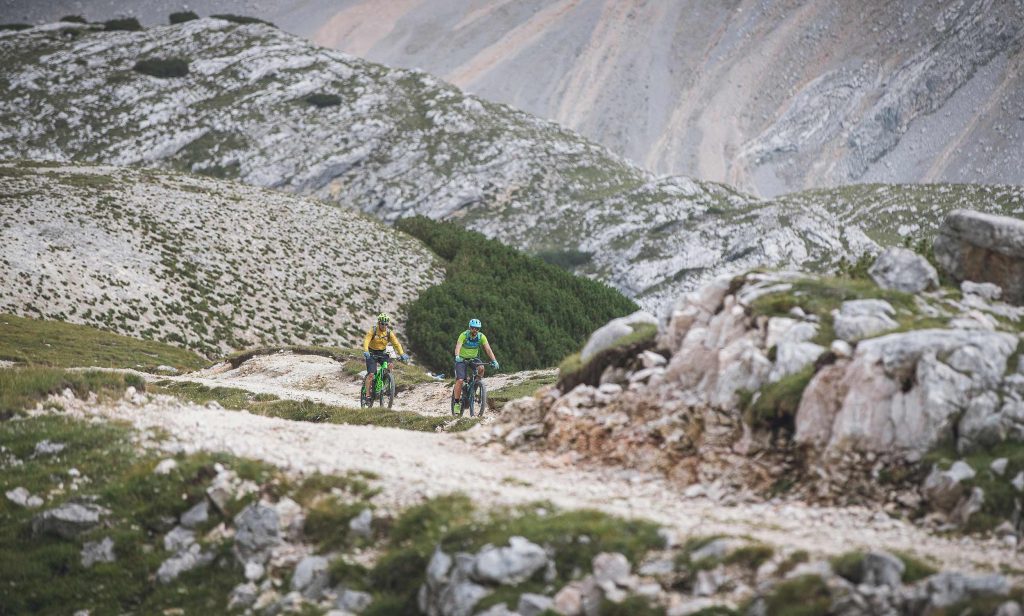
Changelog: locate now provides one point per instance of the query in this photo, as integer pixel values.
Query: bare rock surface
(979, 247)
(904, 270)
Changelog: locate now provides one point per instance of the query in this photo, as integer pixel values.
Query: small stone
(179, 539)
(46, 448)
(311, 577)
(531, 604)
(1018, 482)
(362, 524)
(694, 491)
(999, 465)
(254, 571)
(611, 567)
(181, 562)
(650, 359)
(1010, 608)
(98, 552)
(243, 596)
(1005, 528)
(165, 467)
(841, 348)
(509, 565)
(23, 498)
(569, 601)
(985, 290)
(197, 515)
(353, 601)
(69, 520)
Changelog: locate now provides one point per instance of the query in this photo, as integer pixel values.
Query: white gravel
(417, 465)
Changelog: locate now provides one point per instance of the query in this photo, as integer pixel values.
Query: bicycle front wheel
(478, 398)
(388, 391)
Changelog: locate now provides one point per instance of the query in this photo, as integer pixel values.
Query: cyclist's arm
(366, 341)
(395, 343)
(458, 343)
(490, 353)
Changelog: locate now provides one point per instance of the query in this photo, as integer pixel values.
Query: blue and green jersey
(471, 346)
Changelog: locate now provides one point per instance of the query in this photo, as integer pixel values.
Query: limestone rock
(69, 520)
(165, 466)
(243, 596)
(983, 248)
(46, 448)
(968, 506)
(178, 539)
(531, 604)
(607, 335)
(863, 318)
(882, 569)
(23, 498)
(354, 601)
(903, 270)
(196, 515)
(362, 524)
(181, 562)
(98, 552)
(509, 565)
(998, 466)
(985, 290)
(944, 489)
(611, 567)
(257, 531)
(311, 577)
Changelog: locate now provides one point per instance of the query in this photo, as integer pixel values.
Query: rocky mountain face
(886, 387)
(210, 265)
(769, 96)
(267, 108)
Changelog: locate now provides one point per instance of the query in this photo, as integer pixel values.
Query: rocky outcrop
(69, 520)
(978, 247)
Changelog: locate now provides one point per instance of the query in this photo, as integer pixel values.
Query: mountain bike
(474, 392)
(383, 386)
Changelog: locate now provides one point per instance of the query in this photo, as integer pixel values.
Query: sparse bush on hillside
(323, 100)
(534, 313)
(77, 19)
(162, 67)
(566, 259)
(182, 16)
(242, 19)
(14, 27)
(126, 23)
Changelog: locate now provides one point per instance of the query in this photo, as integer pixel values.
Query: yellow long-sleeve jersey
(377, 340)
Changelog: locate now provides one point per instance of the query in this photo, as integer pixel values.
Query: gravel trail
(416, 465)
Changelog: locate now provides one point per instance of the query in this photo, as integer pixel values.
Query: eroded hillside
(205, 264)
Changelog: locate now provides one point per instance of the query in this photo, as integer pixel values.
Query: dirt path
(417, 465)
(321, 379)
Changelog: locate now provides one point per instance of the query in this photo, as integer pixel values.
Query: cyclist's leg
(460, 376)
(371, 369)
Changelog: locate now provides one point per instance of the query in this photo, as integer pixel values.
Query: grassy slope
(55, 343)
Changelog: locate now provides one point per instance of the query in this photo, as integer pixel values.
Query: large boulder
(311, 577)
(945, 488)
(983, 248)
(609, 334)
(904, 270)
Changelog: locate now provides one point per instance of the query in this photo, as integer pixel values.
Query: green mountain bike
(383, 386)
(474, 392)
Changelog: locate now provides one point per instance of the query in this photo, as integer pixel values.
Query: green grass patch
(806, 595)
(321, 100)
(531, 311)
(1000, 495)
(305, 410)
(573, 369)
(850, 565)
(499, 397)
(15, 27)
(22, 388)
(165, 68)
(44, 574)
(631, 606)
(56, 343)
(775, 408)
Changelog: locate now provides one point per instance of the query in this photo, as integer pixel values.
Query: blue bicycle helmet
(474, 323)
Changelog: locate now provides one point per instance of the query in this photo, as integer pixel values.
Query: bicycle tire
(362, 397)
(479, 398)
(388, 391)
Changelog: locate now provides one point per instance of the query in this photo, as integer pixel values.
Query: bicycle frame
(378, 378)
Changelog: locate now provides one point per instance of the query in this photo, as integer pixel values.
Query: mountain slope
(205, 264)
(768, 96)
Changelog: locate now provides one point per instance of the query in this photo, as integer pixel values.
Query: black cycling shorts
(374, 358)
(460, 367)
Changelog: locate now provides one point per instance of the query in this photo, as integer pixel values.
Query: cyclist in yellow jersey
(375, 346)
(466, 350)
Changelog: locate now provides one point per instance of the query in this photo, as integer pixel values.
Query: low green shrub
(775, 409)
(125, 23)
(14, 27)
(182, 16)
(532, 312)
(566, 259)
(323, 100)
(241, 19)
(164, 68)
(75, 19)
(805, 595)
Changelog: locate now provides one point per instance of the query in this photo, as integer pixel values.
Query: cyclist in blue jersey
(466, 351)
